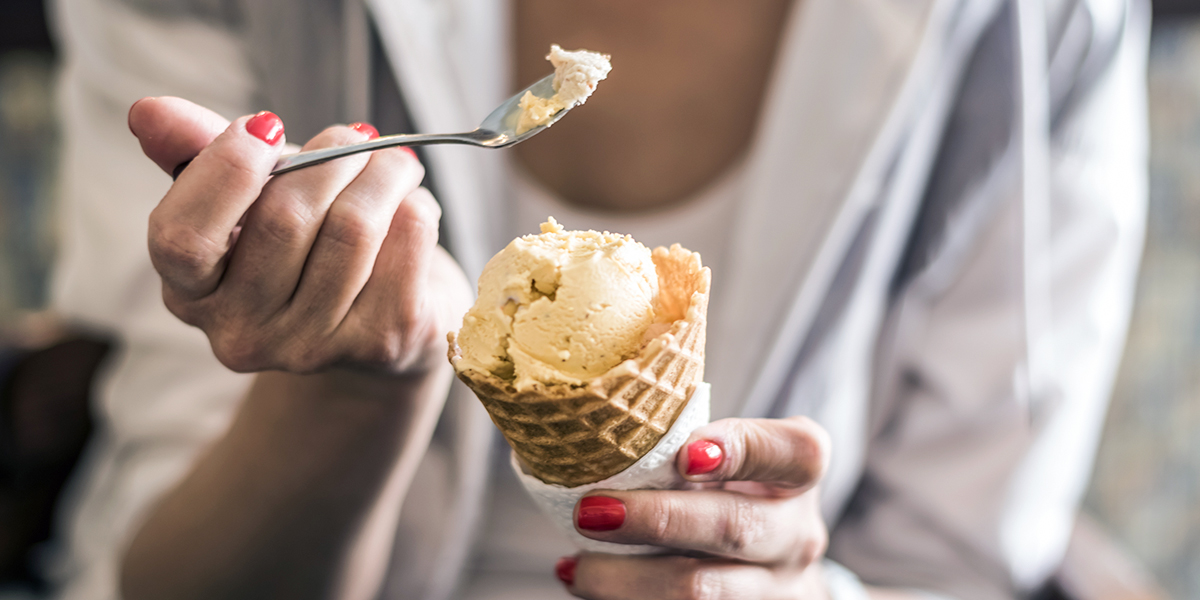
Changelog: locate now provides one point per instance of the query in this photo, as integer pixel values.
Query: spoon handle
(291, 162)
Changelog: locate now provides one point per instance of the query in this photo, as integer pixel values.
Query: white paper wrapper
(654, 471)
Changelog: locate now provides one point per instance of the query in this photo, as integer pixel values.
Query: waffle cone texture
(574, 435)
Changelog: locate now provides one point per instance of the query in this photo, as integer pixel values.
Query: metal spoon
(498, 130)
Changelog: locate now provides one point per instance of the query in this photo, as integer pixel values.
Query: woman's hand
(333, 265)
(753, 529)
(336, 265)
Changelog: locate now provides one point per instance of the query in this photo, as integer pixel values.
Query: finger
(172, 131)
(615, 577)
(282, 225)
(392, 318)
(355, 227)
(790, 453)
(190, 229)
(717, 522)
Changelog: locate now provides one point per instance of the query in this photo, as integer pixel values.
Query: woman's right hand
(335, 265)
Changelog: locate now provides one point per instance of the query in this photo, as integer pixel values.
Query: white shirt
(964, 406)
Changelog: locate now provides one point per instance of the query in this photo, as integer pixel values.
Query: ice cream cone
(573, 435)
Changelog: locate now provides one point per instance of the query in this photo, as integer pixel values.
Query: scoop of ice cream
(561, 307)
(576, 73)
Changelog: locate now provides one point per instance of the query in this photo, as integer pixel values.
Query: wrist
(353, 384)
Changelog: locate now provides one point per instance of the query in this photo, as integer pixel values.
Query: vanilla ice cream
(561, 307)
(576, 74)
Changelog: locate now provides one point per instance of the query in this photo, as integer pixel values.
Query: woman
(923, 219)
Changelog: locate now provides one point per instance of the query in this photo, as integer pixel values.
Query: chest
(678, 108)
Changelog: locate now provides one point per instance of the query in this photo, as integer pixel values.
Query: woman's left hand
(751, 529)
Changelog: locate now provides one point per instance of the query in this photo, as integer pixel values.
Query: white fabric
(165, 396)
(969, 477)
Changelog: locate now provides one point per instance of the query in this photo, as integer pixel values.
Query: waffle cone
(573, 435)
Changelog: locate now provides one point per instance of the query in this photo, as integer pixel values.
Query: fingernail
(703, 457)
(601, 513)
(565, 570)
(410, 151)
(266, 126)
(366, 128)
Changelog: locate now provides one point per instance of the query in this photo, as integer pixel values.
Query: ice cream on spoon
(576, 74)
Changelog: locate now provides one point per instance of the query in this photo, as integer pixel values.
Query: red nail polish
(565, 570)
(600, 513)
(366, 128)
(703, 457)
(266, 126)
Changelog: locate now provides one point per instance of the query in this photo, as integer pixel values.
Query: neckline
(727, 184)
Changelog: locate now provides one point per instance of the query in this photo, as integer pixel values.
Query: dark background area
(1167, 8)
(23, 25)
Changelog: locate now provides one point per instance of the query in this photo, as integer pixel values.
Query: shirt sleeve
(986, 427)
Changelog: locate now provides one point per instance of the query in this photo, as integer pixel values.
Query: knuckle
(740, 448)
(236, 173)
(812, 549)
(182, 309)
(421, 213)
(431, 205)
(662, 526)
(285, 219)
(743, 527)
(244, 345)
(810, 546)
(180, 252)
(404, 345)
(386, 348)
(236, 353)
(699, 583)
(811, 446)
(352, 227)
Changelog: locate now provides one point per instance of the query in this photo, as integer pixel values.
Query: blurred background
(27, 146)
(1146, 489)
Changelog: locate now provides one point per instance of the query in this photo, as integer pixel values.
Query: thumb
(791, 453)
(173, 131)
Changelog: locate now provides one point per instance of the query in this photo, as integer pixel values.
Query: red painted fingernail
(565, 570)
(366, 128)
(600, 513)
(266, 126)
(703, 457)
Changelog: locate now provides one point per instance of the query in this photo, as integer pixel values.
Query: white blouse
(964, 407)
